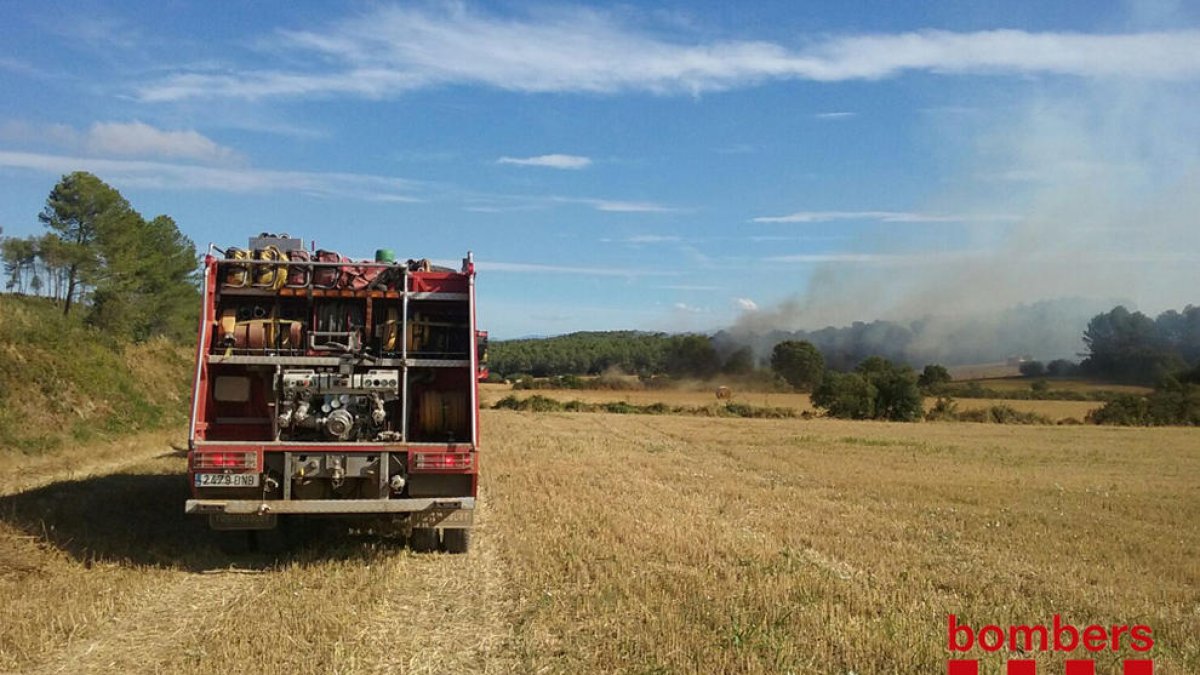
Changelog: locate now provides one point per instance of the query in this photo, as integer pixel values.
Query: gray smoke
(1104, 181)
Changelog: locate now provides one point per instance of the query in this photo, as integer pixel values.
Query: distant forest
(1118, 345)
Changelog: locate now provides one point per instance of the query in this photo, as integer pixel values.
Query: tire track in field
(444, 613)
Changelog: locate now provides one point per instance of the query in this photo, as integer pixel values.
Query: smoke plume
(1103, 181)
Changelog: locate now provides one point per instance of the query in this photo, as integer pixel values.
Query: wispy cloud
(691, 287)
(142, 140)
(20, 67)
(626, 207)
(396, 49)
(837, 115)
(96, 30)
(886, 217)
(883, 259)
(122, 139)
(652, 239)
(549, 161)
(745, 304)
(815, 258)
(539, 268)
(172, 176)
(495, 203)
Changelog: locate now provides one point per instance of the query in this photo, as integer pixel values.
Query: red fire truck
(331, 387)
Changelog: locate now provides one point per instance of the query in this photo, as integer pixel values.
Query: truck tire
(456, 541)
(423, 540)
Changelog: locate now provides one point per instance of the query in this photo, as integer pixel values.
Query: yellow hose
(270, 276)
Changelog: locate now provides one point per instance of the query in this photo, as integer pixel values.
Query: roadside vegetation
(97, 321)
(63, 382)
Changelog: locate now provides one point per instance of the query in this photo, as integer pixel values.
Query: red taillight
(442, 461)
(222, 459)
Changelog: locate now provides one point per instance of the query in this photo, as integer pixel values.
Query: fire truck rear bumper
(440, 509)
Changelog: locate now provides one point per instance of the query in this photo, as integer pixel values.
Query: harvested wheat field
(630, 543)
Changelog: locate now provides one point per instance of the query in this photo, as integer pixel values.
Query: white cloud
(885, 217)
(689, 309)
(395, 49)
(652, 239)
(539, 268)
(745, 304)
(496, 203)
(123, 139)
(691, 287)
(838, 115)
(549, 161)
(814, 258)
(137, 139)
(170, 176)
(626, 207)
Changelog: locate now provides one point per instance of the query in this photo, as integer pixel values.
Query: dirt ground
(628, 543)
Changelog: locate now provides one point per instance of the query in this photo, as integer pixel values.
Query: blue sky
(666, 166)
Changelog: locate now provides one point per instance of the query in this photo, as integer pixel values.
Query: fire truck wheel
(423, 539)
(456, 541)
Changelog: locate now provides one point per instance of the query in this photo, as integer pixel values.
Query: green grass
(64, 382)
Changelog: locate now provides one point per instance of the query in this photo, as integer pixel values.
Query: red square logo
(962, 667)
(1021, 667)
(1137, 667)
(1081, 667)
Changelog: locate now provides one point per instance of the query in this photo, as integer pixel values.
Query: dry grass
(636, 544)
(675, 544)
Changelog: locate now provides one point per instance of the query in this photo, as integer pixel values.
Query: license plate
(226, 480)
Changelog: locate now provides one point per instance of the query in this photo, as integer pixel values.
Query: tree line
(130, 277)
(1132, 347)
(593, 353)
(1119, 345)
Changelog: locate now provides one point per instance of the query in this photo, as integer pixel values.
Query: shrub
(1062, 368)
(943, 410)
(1172, 403)
(1033, 369)
(934, 378)
(847, 395)
(1125, 410)
(798, 362)
(1002, 414)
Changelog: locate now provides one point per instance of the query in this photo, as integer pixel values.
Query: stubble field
(628, 543)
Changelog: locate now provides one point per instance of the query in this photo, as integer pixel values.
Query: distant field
(630, 544)
(1066, 384)
(490, 393)
(984, 370)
